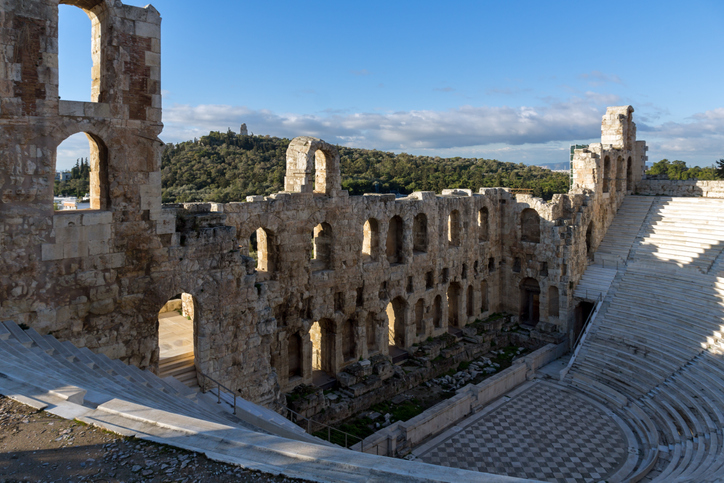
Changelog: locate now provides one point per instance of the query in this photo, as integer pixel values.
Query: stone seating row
(76, 383)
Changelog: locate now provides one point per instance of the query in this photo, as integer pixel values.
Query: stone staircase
(181, 368)
(76, 383)
(621, 235)
(595, 282)
(655, 353)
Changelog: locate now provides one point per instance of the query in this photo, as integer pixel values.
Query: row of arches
(613, 175)
(263, 244)
(332, 343)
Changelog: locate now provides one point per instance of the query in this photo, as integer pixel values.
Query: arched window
(629, 175)
(323, 346)
(176, 339)
(553, 302)
(530, 226)
(419, 233)
(483, 225)
(88, 184)
(453, 305)
(394, 241)
(589, 240)
(322, 245)
(371, 242)
(470, 301)
(267, 250)
(606, 173)
(312, 166)
(80, 27)
(294, 355)
(349, 343)
(484, 296)
(453, 228)
(620, 174)
(419, 317)
(371, 333)
(396, 320)
(437, 312)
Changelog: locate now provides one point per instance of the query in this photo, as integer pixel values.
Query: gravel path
(37, 446)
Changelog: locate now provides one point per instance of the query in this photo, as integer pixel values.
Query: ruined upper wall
(126, 51)
(374, 270)
(689, 187)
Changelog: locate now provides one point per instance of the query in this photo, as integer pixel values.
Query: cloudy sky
(517, 81)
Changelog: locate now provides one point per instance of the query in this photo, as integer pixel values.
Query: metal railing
(584, 331)
(310, 426)
(204, 388)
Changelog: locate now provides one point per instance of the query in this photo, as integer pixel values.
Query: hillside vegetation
(224, 167)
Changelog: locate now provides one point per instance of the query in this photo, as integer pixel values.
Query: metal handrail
(311, 422)
(584, 330)
(219, 387)
(296, 415)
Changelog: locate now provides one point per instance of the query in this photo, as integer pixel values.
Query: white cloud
(403, 130)
(700, 141)
(531, 134)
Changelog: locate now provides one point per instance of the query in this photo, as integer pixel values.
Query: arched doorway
(396, 317)
(453, 305)
(529, 301)
(629, 175)
(589, 241)
(176, 339)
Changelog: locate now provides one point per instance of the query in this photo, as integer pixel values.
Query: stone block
(64, 220)
(145, 29)
(51, 251)
(102, 307)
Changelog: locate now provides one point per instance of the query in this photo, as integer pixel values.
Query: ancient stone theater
(139, 317)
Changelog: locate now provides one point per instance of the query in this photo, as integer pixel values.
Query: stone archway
(177, 339)
(529, 301)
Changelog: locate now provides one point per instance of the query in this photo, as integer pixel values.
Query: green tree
(720, 169)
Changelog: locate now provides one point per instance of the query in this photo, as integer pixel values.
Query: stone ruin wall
(99, 277)
(689, 187)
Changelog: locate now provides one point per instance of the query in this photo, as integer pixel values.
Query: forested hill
(225, 167)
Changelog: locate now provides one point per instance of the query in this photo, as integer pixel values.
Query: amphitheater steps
(78, 384)
(625, 226)
(656, 348)
(684, 233)
(595, 282)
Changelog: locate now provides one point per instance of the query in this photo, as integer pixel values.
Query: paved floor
(175, 335)
(541, 431)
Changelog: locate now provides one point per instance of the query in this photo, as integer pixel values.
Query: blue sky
(516, 81)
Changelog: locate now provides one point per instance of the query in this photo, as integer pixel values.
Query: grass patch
(400, 412)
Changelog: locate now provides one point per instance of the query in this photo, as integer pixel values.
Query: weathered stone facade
(353, 274)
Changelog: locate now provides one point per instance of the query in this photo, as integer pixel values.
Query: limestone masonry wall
(337, 279)
(690, 187)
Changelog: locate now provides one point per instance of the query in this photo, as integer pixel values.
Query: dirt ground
(37, 446)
